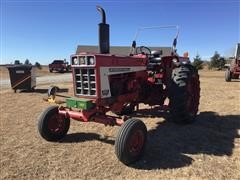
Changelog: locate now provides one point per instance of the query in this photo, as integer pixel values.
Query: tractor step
(79, 103)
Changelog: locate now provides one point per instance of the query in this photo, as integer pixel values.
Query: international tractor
(233, 69)
(105, 82)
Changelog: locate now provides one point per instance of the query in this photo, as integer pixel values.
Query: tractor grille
(85, 81)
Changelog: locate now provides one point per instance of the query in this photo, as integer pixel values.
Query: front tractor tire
(228, 75)
(184, 94)
(53, 126)
(130, 141)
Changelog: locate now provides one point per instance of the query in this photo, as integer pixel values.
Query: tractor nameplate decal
(105, 92)
(119, 69)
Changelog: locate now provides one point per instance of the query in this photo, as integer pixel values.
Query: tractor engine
(116, 81)
(109, 80)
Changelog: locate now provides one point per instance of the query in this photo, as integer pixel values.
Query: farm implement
(104, 82)
(233, 69)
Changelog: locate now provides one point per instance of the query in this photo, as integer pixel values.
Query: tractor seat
(155, 56)
(154, 59)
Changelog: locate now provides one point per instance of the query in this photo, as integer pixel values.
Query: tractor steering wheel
(143, 50)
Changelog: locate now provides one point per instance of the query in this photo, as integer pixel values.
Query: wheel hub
(136, 142)
(56, 124)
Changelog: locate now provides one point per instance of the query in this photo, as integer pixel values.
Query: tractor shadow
(82, 137)
(168, 144)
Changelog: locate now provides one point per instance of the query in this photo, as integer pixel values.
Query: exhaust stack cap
(103, 33)
(101, 10)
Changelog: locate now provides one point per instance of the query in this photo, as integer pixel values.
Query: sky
(43, 30)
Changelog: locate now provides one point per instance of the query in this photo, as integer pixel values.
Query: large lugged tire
(51, 125)
(130, 141)
(184, 94)
(228, 75)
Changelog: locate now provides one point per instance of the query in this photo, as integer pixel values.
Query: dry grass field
(206, 149)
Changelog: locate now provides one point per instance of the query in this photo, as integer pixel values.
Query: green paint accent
(79, 103)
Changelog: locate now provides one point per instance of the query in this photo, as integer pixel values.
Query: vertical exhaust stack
(103, 33)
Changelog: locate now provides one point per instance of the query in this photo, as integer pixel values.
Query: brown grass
(207, 149)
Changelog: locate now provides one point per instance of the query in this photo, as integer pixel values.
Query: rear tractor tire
(228, 75)
(53, 126)
(184, 94)
(130, 141)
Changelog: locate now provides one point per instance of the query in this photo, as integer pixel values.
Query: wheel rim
(193, 98)
(56, 124)
(136, 143)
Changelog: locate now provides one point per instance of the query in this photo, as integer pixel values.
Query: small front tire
(228, 75)
(53, 126)
(130, 141)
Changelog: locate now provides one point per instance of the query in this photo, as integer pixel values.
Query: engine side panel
(110, 75)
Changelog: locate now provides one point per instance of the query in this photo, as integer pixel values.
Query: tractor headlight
(82, 60)
(91, 61)
(75, 61)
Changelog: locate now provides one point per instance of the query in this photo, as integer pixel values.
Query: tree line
(216, 62)
(27, 62)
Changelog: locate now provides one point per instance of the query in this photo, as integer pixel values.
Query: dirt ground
(206, 149)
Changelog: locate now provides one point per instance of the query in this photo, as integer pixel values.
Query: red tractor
(106, 82)
(233, 69)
